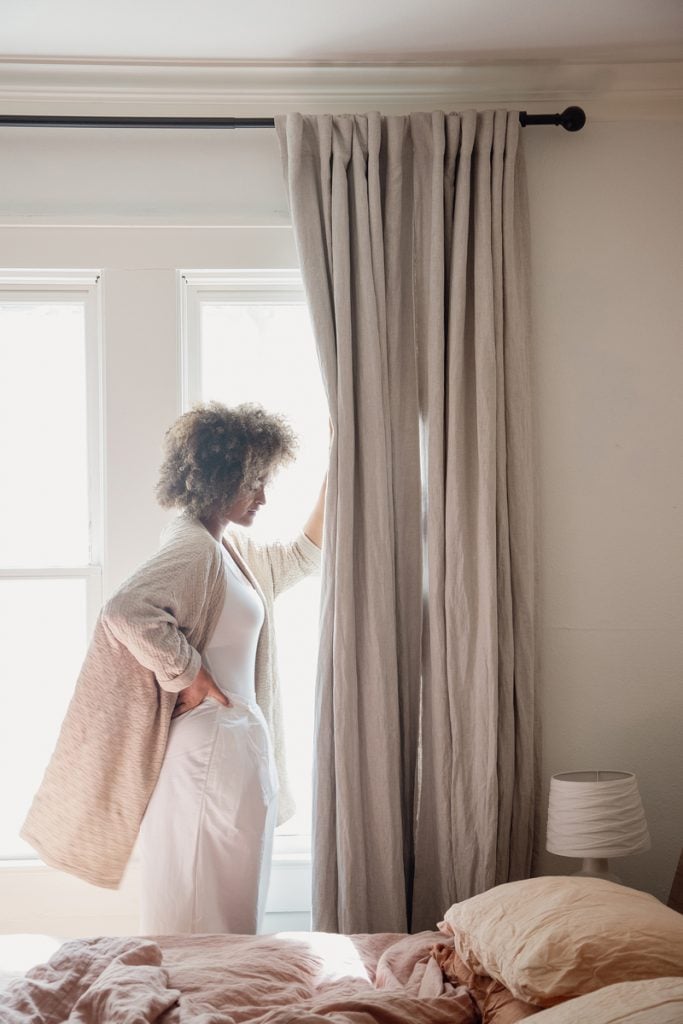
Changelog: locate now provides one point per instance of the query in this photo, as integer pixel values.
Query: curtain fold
(413, 242)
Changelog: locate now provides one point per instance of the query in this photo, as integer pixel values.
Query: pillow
(496, 1004)
(554, 938)
(658, 1001)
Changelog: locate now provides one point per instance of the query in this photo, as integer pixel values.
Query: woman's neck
(216, 525)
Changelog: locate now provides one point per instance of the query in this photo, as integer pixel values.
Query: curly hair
(212, 454)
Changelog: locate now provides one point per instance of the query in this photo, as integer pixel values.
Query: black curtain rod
(573, 119)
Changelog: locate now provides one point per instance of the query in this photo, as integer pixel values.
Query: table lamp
(596, 815)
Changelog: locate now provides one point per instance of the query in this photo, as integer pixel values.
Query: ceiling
(321, 31)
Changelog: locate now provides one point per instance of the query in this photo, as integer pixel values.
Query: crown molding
(607, 90)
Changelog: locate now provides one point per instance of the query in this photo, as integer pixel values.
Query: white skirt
(206, 838)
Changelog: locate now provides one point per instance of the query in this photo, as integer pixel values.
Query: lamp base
(597, 867)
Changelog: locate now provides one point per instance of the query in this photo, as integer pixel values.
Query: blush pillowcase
(554, 938)
(657, 1001)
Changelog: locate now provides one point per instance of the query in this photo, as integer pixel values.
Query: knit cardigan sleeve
(279, 565)
(154, 610)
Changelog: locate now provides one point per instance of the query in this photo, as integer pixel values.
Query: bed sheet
(312, 978)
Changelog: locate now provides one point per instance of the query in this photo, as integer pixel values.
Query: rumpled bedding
(496, 1003)
(112, 980)
(291, 978)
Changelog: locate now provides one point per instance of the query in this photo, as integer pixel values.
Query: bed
(563, 950)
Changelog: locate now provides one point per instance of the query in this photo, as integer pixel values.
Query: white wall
(607, 225)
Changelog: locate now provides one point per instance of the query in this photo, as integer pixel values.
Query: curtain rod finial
(573, 119)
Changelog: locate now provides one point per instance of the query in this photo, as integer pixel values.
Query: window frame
(265, 286)
(276, 287)
(68, 287)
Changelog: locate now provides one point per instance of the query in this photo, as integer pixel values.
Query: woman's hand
(201, 687)
(313, 527)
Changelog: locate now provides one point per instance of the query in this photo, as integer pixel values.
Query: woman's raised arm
(313, 528)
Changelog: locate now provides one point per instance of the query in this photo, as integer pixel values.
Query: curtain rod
(573, 119)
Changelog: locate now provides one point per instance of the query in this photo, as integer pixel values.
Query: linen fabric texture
(412, 234)
(146, 646)
(658, 1001)
(553, 938)
(206, 839)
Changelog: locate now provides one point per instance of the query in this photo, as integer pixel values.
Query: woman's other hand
(201, 687)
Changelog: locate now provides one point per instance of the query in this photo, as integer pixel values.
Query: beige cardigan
(147, 646)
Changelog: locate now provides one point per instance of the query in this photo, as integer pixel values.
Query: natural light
(249, 351)
(265, 353)
(43, 409)
(44, 466)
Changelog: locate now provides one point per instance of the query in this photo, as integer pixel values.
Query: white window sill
(282, 854)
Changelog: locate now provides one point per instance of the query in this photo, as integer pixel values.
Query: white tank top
(230, 655)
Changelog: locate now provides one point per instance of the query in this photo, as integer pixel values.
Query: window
(248, 338)
(50, 558)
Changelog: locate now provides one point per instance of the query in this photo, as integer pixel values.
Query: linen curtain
(413, 242)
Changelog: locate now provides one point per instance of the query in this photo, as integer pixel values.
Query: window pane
(43, 629)
(43, 455)
(266, 354)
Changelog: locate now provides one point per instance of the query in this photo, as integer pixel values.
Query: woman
(176, 710)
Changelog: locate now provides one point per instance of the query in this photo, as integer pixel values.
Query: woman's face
(244, 508)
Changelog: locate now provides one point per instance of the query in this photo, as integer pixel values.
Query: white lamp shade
(596, 814)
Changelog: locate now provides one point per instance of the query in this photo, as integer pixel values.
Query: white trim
(95, 422)
(59, 572)
(30, 293)
(281, 282)
(183, 319)
(282, 857)
(189, 347)
(608, 86)
(40, 224)
(50, 281)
